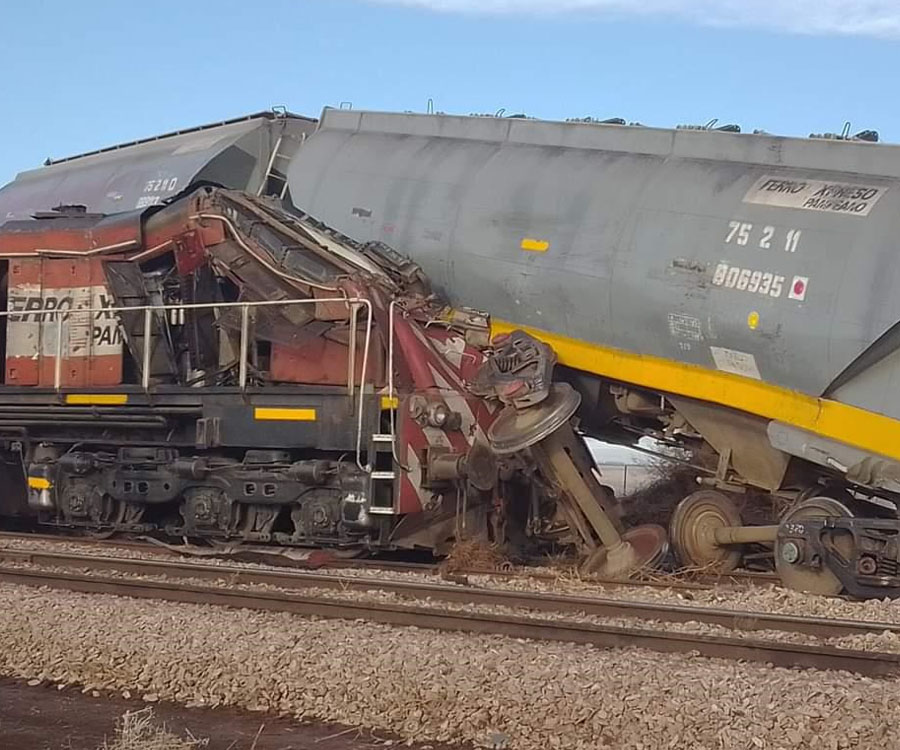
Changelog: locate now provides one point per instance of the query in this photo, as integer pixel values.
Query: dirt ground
(44, 718)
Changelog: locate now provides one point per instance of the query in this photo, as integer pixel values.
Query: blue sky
(77, 76)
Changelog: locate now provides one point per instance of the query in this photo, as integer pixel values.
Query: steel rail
(162, 550)
(820, 627)
(81, 541)
(602, 636)
(698, 582)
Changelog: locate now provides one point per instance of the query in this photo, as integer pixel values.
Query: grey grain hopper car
(729, 293)
(248, 153)
(732, 292)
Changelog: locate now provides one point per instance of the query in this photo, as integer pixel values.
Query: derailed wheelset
(817, 547)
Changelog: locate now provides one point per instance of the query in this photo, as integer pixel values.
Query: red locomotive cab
(217, 367)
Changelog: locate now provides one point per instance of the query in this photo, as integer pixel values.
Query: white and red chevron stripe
(440, 362)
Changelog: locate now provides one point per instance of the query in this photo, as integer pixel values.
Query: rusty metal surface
(545, 602)
(772, 652)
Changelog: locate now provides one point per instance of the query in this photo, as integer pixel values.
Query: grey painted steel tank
(235, 153)
(769, 257)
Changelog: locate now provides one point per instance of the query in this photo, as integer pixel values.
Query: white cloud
(878, 18)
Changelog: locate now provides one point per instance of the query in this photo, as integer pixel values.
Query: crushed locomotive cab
(220, 368)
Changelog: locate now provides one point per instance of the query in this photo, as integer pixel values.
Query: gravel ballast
(881, 641)
(772, 599)
(426, 685)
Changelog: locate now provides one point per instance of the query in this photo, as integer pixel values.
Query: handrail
(265, 177)
(59, 316)
(362, 378)
(351, 355)
(259, 258)
(393, 426)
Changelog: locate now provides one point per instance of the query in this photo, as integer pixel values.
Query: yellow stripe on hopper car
(97, 399)
(38, 483)
(847, 424)
(271, 414)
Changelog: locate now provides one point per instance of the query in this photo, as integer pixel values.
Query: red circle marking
(799, 287)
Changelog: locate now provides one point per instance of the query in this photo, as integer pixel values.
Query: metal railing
(59, 316)
(390, 375)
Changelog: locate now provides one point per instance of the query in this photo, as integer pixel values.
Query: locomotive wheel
(517, 429)
(813, 580)
(645, 547)
(108, 534)
(346, 554)
(692, 531)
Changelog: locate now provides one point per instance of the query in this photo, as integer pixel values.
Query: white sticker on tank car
(850, 198)
(735, 362)
(685, 327)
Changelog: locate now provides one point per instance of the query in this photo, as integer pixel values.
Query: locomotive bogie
(267, 495)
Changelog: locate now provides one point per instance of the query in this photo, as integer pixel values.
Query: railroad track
(689, 581)
(776, 652)
(161, 549)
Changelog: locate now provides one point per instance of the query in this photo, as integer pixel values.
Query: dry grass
(572, 576)
(139, 730)
(475, 554)
(655, 502)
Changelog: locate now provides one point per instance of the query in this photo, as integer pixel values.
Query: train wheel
(692, 531)
(517, 429)
(346, 554)
(797, 574)
(117, 518)
(645, 546)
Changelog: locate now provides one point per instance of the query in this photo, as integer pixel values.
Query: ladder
(382, 443)
(274, 174)
(382, 481)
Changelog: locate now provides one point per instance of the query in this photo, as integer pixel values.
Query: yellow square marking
(275, 414)
(535, 246)
(38, 483)
(389, 402)
(99, 399)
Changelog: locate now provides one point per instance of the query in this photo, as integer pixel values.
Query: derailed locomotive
(727, 294)
(220, 368)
